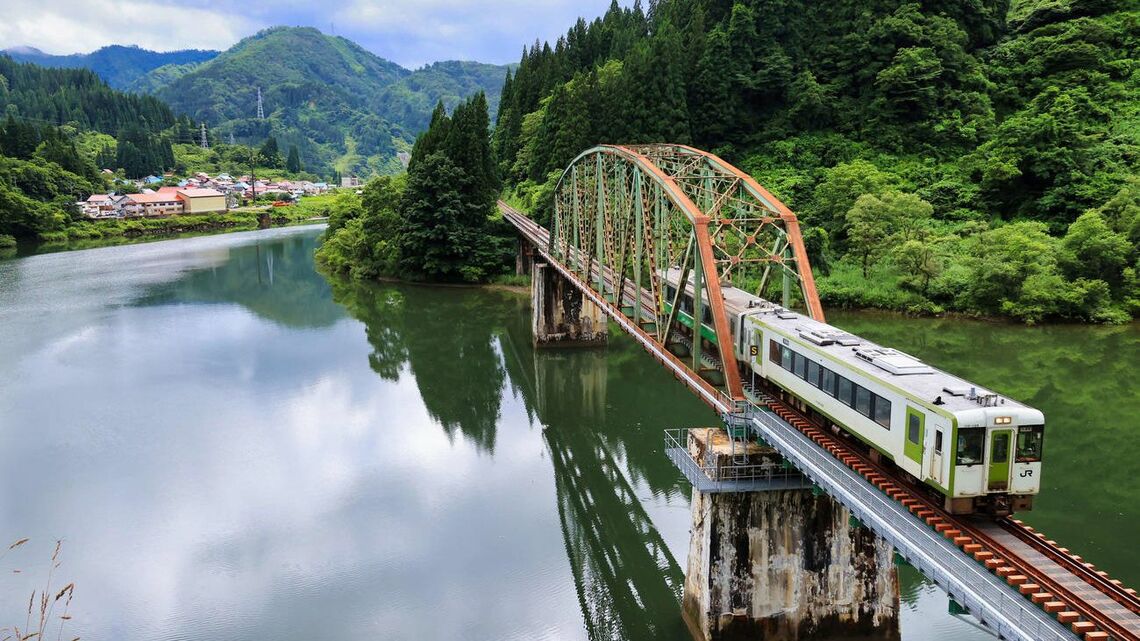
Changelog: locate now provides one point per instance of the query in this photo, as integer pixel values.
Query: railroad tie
(1053, 606)
(1096, 636)
(1028, 588)
(1068, 617)
(1041, 597)
(1082, 627)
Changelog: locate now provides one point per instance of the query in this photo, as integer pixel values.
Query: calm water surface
(234, 448)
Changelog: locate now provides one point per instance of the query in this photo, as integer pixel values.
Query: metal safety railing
(713, 474)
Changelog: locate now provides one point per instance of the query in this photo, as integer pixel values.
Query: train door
(997, 477)
(940, 432)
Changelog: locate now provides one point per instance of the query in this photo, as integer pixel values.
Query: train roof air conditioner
(893, 361)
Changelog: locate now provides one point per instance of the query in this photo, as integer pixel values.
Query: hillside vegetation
(121, 67)
(344, 108)
(977, 157)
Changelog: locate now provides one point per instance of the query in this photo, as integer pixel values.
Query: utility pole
(205, 143)
(260, 107)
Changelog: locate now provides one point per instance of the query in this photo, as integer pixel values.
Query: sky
(409, 32)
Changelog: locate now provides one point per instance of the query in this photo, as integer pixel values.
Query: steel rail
(931, 518)
(1111, 588)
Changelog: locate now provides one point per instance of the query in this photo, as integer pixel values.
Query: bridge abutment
(563, 316)
(786, 564)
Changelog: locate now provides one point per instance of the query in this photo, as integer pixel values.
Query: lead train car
(980, 451)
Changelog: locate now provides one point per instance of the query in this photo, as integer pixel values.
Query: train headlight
(1003, 420)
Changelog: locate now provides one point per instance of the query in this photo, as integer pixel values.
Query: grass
(44, 607)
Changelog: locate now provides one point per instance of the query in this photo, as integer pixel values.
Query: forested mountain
(340, 105)
(942, 155)
(57, 124)
(410, 101)
(120, 66)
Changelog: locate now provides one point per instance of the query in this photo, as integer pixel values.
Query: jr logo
(1026, 473)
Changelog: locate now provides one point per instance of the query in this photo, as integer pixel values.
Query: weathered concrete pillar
(524, 258)
(784, 565)
(562, 316)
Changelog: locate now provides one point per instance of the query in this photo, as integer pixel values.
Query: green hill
(410, 101)
(344, 108)
(119, 66)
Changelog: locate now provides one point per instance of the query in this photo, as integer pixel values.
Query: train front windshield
(971, 443)
(1030, 439)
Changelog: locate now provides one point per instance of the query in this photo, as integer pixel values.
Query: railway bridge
(622, 216)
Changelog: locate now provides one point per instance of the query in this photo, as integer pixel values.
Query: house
(152, 204)
(404, 158)
(152, 180)
(200, 201)
(102, 206)
(349, 181)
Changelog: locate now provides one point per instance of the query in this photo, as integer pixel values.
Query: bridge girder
(624, 214)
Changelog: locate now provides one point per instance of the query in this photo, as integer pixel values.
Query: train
(981, 452)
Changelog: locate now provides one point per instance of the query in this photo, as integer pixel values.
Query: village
(198, 194)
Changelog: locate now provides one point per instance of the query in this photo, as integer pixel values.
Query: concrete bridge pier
(562, 316)
(783, 565)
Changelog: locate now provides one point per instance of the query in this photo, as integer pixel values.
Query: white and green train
(979, 450)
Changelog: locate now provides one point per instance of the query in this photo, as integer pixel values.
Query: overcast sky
(409, 32)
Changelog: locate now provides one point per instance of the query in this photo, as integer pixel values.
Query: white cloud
(410, 33)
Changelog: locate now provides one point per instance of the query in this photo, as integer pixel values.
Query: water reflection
(459, 347)
(273, 279)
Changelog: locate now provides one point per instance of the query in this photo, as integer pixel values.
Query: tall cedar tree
(446, 233)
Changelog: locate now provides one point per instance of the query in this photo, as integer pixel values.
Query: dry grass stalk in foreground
(42, 605)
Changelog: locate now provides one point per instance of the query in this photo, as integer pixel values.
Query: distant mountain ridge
(118, 65)
(342, 106)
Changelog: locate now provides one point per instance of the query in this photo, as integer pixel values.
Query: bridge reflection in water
(623, 570)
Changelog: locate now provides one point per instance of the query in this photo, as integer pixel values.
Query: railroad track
(1095, 606)
(1086, 616)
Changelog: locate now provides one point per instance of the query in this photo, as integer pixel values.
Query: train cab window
(1029, 441)
(970, 444)
(800, 364)
(813, 373)
(845, 390)
(828, 381)
(863, 401)
(882, 411)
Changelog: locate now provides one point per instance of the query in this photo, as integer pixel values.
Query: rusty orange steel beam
(700, 222)
(791, 227)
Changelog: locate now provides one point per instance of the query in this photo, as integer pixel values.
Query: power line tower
(260, 107)
(231, 138)
(205, 143)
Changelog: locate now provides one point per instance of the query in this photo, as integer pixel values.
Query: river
(233, 447)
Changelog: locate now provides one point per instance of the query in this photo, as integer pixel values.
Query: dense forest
(51, 119)
(344, 108)
(969, 156)
(437, 222)
(120, 66)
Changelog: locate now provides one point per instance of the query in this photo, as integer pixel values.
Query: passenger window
(813, 373)
(786, 358)
(938, 442)
(1029, 441)
(844, 390)
(801, 364)
(882, 411)
(828, 381)
(970, 442)
(863, 401)
(1001, 448)
(670, 293)
(773, 352)
(913, 428)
